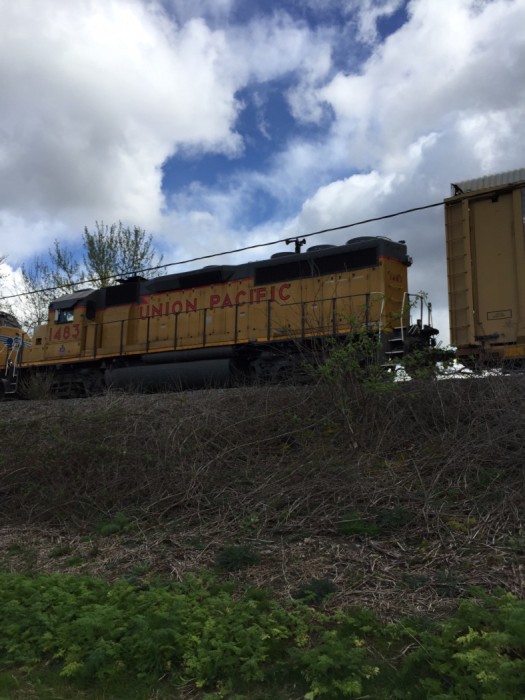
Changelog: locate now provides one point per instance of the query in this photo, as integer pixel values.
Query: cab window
(64, 315)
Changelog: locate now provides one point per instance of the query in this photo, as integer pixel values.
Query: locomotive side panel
(232, 313)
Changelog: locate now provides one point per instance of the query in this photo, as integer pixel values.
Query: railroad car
(485, 234)
(221, 323)
(12, 342)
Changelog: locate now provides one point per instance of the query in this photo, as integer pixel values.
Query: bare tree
(4, 303)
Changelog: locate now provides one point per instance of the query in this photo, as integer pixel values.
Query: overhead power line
(227, 252)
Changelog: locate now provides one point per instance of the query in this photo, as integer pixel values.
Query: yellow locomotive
(12, 343)
(219, 323)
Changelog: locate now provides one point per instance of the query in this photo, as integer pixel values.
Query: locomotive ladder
(10, 378)
(403, 335)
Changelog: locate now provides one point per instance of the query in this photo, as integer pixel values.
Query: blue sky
(215, 124)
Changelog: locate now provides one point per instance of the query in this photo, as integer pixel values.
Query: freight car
(223, 323)
(485, 233)
(12, 342)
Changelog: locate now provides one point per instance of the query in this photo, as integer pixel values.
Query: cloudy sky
(215, 124)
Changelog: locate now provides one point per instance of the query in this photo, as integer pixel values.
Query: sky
(217, 124)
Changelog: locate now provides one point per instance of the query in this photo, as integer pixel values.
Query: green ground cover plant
(202, 634)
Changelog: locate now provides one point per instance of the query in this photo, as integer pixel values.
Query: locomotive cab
(64, 335)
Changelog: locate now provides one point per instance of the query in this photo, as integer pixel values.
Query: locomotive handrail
(10, 380)
(335, 304)
(408, 305)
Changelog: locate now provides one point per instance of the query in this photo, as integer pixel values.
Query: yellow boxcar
(485, 236)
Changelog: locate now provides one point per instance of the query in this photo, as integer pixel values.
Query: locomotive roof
(8, 320)
(357, 253)
(69, 300)
(316, 260)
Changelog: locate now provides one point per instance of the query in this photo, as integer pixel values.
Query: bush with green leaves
(356, 361)
(477, 654)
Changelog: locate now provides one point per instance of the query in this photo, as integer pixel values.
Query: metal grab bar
(408, 305)
(335, 303)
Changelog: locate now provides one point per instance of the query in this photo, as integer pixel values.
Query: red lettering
(227, 301)
(176, 307)
(238, 297)
(282, 295)
(156, 310)
(67, 332)
(57, 334)
(144, 311)
(76, 330)
(272, 293)
(191, 305)
(261, 293)
(166, 308)
(252, 291)
(214, 300)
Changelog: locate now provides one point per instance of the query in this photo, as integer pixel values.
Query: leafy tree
(108, 253)
(111, 251)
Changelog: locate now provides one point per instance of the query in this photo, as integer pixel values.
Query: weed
(449, 584)
(236, 557)
(15, 548)
(414, 582)
(394, 518)
(74, 561)
(315, 591)
(517, 544)
(119, 524)
(141, 569)
(60, 550)
(353, 523)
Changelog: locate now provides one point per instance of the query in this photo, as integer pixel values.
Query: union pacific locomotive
(222, 323)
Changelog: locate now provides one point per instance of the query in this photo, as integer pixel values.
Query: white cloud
(438, 67)
(95, 96)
